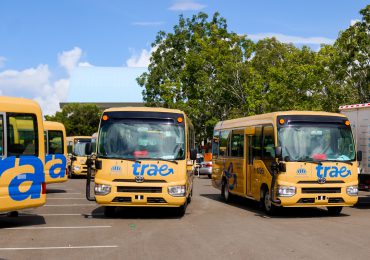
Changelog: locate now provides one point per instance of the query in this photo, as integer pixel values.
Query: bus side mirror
(278, 152)
(359, 156)
(193, 154)
(88, 148)
(98, 164)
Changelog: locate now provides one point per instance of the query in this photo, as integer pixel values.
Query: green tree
(78, 119)
(353, 45)
(201, 69)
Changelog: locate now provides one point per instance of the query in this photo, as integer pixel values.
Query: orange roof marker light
(281, 121)
(347, 123)
(179, 120)
(105, 118)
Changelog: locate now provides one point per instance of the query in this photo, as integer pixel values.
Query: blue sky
(42, 42)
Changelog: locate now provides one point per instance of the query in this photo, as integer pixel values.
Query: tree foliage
(213, 74)
(78, 119)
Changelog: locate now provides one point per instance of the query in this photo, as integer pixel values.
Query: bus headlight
(352, 190)
(286, 191)
(102, 189)
(177, 191)
(76, 168)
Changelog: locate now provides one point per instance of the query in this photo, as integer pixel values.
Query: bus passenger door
(254, 161)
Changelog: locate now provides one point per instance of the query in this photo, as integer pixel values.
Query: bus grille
(155, 200)
(336, 200)
(321, 190)
(315, 182)
(122, 199)
(139, 189)
(306, 200)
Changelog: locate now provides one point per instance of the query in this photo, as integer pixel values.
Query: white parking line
(75, 227)
(55, 247)
(69, 205)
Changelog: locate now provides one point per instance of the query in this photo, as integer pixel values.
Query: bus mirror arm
(89, 163)
(275, 171)
(359, 156)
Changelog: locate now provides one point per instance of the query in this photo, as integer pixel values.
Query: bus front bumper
(140, 194)
(319, 195)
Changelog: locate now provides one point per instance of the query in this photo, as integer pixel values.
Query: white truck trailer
(359, 116)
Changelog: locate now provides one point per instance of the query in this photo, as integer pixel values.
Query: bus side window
(224, 144)
(268, 143)
(256, 144)
(215, 143)
(55, 142)
(237, 143)
(1, 136)
(22, 136)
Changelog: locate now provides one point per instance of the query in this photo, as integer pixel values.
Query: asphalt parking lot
(70, 227)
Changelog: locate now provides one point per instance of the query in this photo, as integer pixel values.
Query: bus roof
(144, 109)
(269, 117)
(18, 105)
(51, 125)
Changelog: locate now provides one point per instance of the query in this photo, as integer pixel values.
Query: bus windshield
(79, 148)
(316, 142)
(144, 138)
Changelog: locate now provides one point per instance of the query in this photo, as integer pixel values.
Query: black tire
(334, 211)
(109, 211)
(13, 214)
(180, 211)
(225, 192)
(266, 203)
(209, 176)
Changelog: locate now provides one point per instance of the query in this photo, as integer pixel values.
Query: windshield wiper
(119, 158)
(160, 159)
(309, 160)
(347, 162)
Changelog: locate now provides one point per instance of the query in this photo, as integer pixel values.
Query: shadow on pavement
(49, 191)
(254, 206)
(137, 213)
(23, 220)
(363, 202)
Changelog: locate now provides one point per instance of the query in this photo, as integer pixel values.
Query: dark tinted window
(237, 143)
(256, 143)
(22, 134)
(55, 142)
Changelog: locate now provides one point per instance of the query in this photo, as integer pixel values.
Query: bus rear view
(142, 159)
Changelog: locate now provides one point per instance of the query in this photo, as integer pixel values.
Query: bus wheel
(13, 214)
(180, 211)
(225, 193)
(109, 211)
(334, 211)
(269, 208)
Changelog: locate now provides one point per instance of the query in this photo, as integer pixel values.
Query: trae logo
(57, 170)
(151, 169)
(36, 178)
(332, 171)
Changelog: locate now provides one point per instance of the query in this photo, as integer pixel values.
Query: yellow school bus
(22, 179)
(144, 157)
(287, 159)
(56, 152)
(77, 157)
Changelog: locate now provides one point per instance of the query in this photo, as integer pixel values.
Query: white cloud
(142, 60)
(2, 61)
(186, 5)
(85, 64)
(353, 22)
(35, 83)
(291, 39)
(69, 59)
(147, 23)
